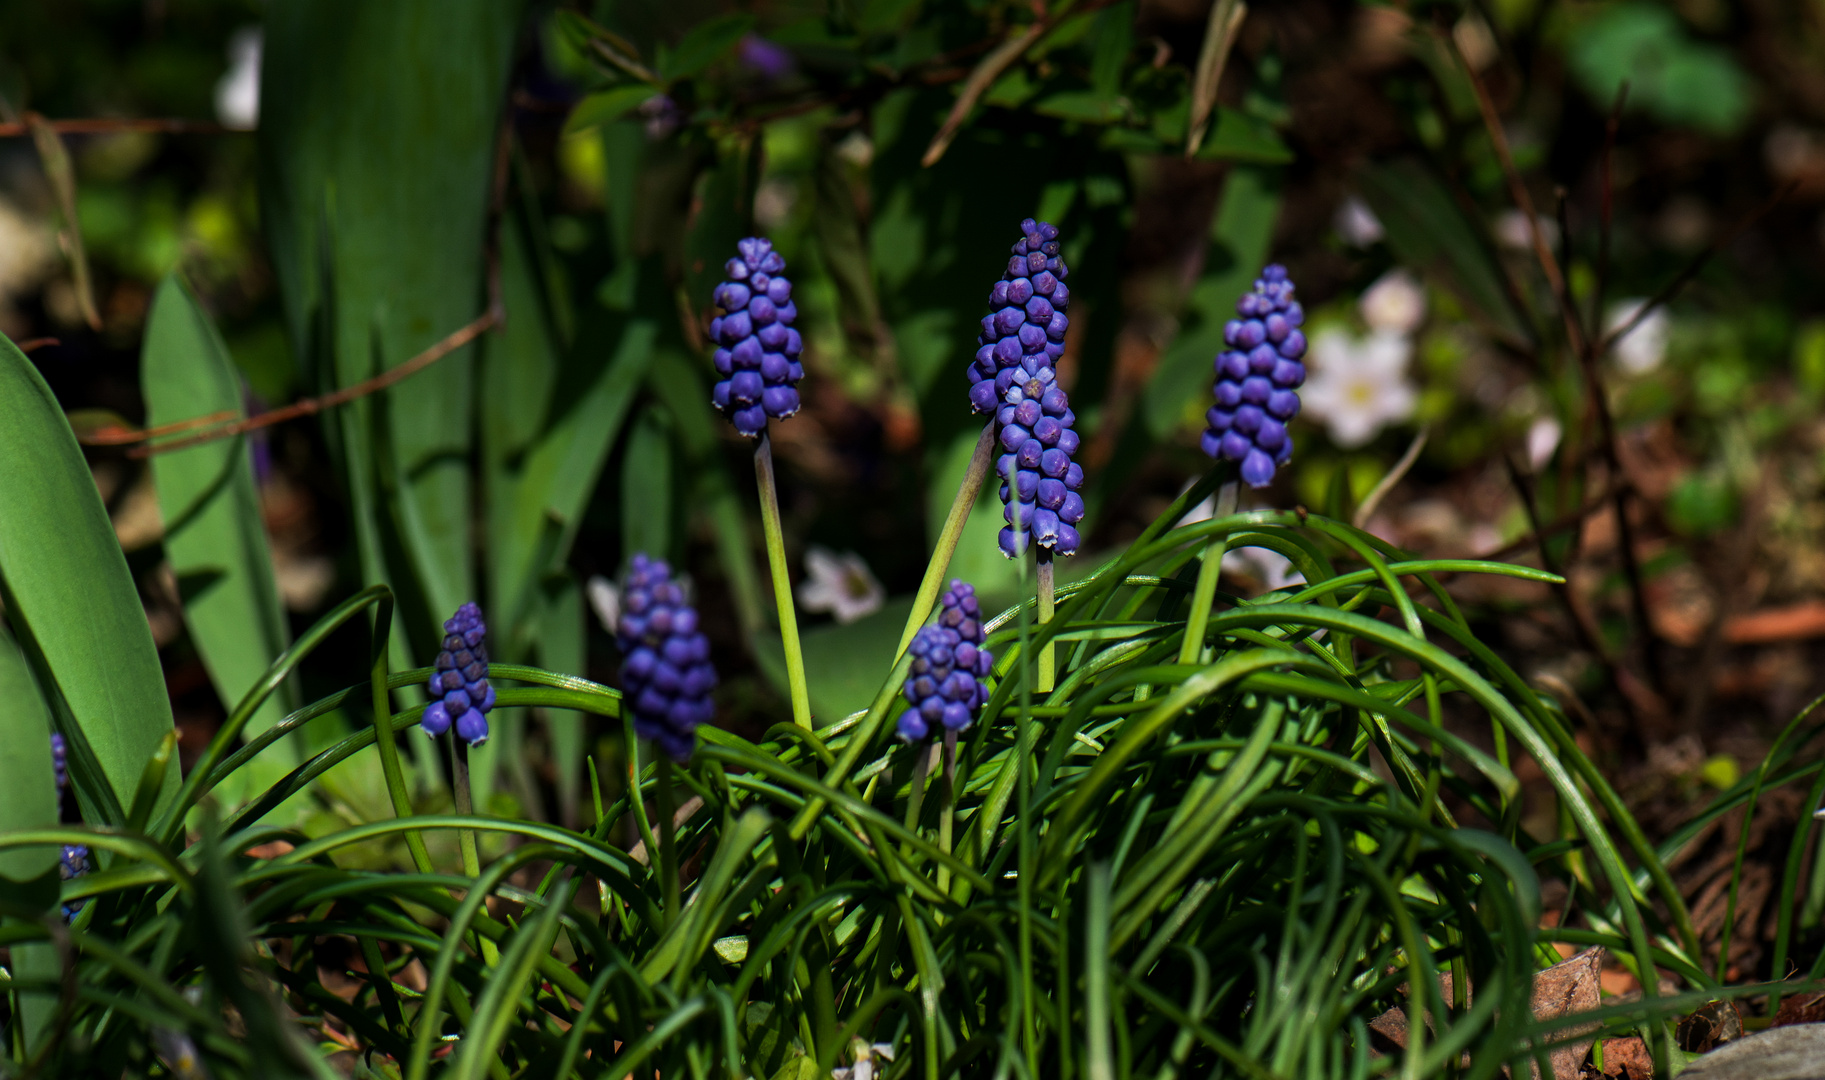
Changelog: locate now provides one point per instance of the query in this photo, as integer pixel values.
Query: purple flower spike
(60, 762)
(757, 350)
(460, 693)
(73, 863)
(1029, 318)
(1039, 481)
(945, 688)
(1256, 378)
(666, 677)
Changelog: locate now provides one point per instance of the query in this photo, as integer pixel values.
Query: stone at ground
(1794, 1052)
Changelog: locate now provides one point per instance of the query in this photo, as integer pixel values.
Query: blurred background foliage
(586, 167)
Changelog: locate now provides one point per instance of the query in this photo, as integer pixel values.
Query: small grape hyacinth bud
(73, 863)
(461, 695)
(1039, 481)
(666, 676)
(60, 762)
(945, 688)
(1028, 317)
(1257, 379)
(756, 348)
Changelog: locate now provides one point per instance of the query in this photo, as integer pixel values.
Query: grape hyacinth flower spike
(1257, 379)
(460, 692)
(1028, 321)
(666, 674)
(60, 762)
(1039, 481)
(756, 348)
(945, 688)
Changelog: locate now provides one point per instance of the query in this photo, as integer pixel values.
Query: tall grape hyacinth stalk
(666, 673)
(1257, 377)
(1013, 377)
(757, 353)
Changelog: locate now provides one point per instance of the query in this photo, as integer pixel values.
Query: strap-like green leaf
(70, 597)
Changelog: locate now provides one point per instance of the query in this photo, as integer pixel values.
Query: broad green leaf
(69, 595)
(704, 45)
(28, 789)
(646, 487)
(605, 105)
(378, 130)
(1427, 230)
(214, 538)
(534, 514)
(1240, 233)
(843, 664)
(564, 647)
(1236, 136)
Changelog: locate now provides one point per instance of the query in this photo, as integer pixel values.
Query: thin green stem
(947, 539)
(635, 798)
(1198, 617)
(1024, 879)
(465, 805)
(782, 581)
(383, 733)
(668, 843)
(1042, 560)
(947, 810)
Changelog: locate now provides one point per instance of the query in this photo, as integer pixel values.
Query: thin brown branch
(1660, 298)
(114, 125)
(312, 406)
(31, 345)
(980, 80)
(1606, 212)
(1517, 188)
(118, 436)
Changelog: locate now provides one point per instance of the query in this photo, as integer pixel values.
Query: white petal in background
(1357, 224)
(1542, 439)
(237, 94)
(1395, 304)
(1359, 385)
(605, 600)
(1642, 349)
(840, 584)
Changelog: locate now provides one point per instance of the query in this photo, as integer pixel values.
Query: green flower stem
(1042, 561)
(1024, 851)
(465, 804)
(668, 845)
(383, 733)
(465, 838)
(1199, 616)
(947, 811)
(634, 797)
(940, 563)
(915, 800)
(782, 582)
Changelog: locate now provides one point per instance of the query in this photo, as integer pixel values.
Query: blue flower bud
(946, 691)
(460, 693)
(1029, 317)
(666, 674)
(1256, 379)
(759, 349)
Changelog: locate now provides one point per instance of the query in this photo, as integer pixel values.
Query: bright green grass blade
(70, 597)
(214, 538)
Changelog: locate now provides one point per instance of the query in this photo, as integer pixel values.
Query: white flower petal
(1395, 304)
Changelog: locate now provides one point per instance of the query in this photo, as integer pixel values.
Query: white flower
(606, 600)
(840, 584)
(1357, 224)
(1395, 304)
(1265, 565)
(237, 94)
(1511, 230)
(1359, 385)
(1542, 439)
(1642, 349)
